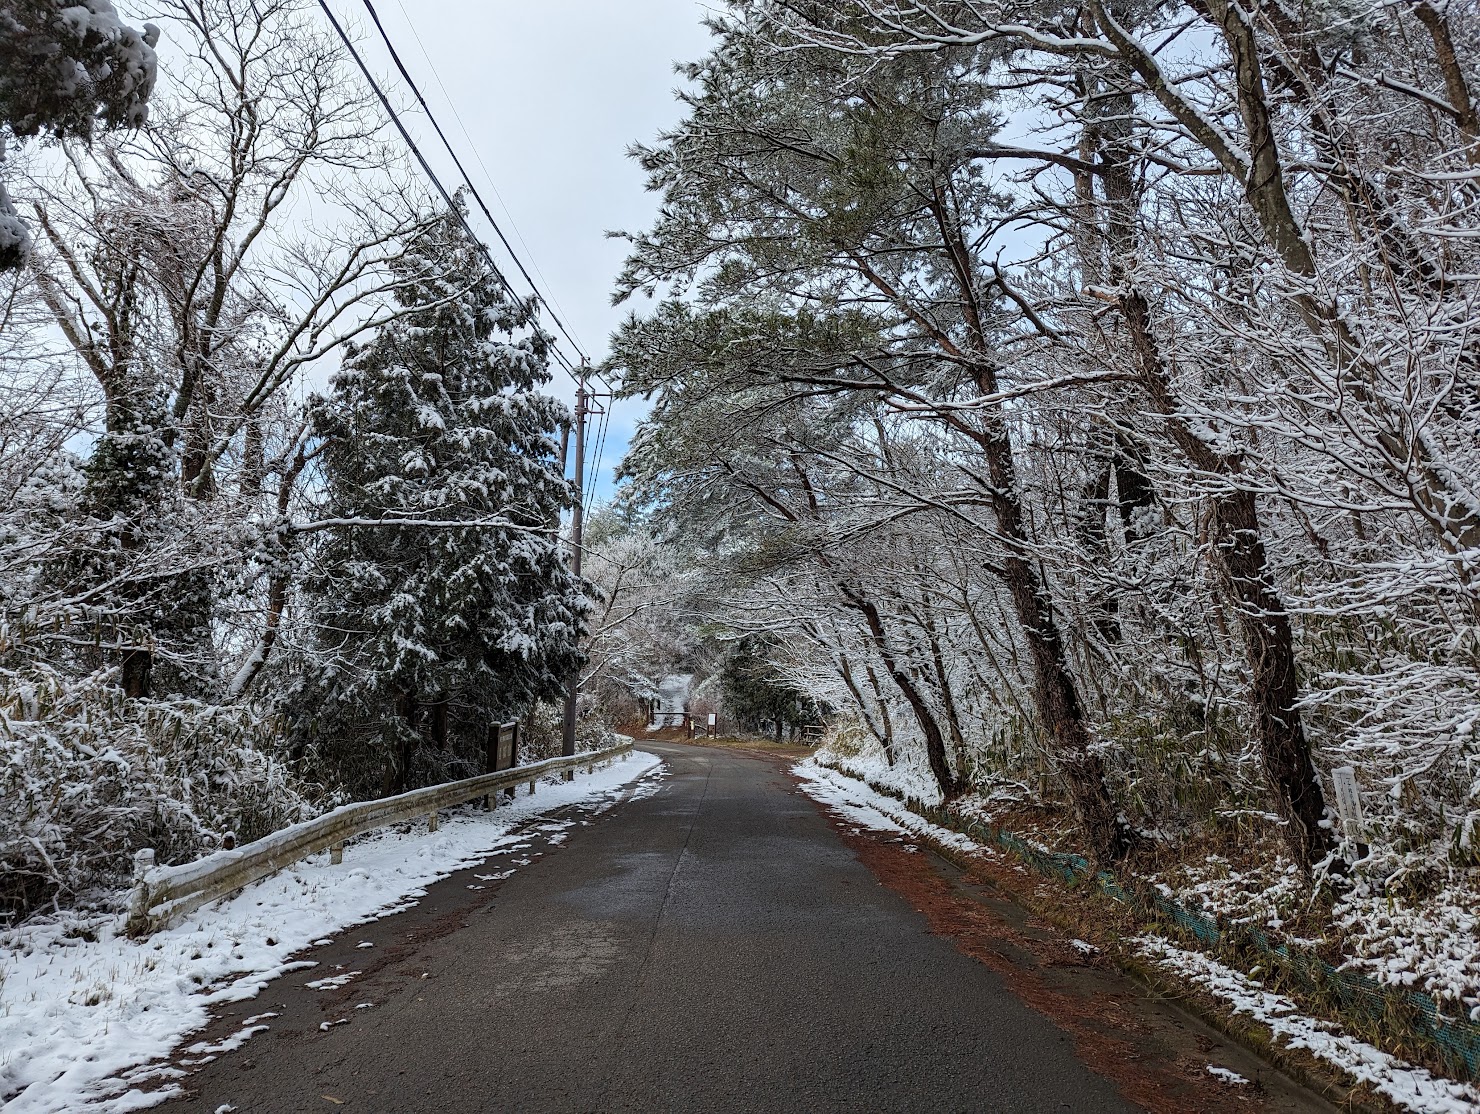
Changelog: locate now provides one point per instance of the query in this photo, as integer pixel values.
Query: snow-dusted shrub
(87, 778)
(1412, 730)
(541, 731)
(1430, 944)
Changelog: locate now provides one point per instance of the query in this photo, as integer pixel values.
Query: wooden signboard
(503, 747)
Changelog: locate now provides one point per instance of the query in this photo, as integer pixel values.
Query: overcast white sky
(551, 92)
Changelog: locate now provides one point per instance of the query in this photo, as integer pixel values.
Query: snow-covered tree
(1157, 444)
(183, 276)
(759, 695)
(833, 212)
(175, 265)
(67, 69)
(653, 601)
(439, 588)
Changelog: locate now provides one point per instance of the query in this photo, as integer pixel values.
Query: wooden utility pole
(568, 738)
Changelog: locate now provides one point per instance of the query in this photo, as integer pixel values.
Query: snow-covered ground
(1432, 944)
(1405, 1085)
(1408, 1087)
(909, 775)
(1429, 942)
(860, 804)
(84, 1010)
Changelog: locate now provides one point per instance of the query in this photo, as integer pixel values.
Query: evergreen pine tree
(439, 419)
(758, 694)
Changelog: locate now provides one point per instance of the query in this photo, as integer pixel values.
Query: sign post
(1349, 806)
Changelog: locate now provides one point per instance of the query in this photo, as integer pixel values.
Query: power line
(590, 493)
(472, 188)
(477, 156)
(425, 166)
(587, 496)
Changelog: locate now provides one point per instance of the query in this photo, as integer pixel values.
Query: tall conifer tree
(440, 419)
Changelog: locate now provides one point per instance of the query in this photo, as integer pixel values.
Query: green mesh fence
(1414, 1016)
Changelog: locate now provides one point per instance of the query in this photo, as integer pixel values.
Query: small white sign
(1348, 801)
(712, 719)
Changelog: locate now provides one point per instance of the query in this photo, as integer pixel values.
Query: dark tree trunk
(886, 722)
(254, 465)
(406, 709)
(1056, 696)
(1270, 645)
(947, 697)
(1273, 683)
(935, 743)
(196, 474)
(136, 664)
(1062, 715)
(1269, 641)
(277, 602)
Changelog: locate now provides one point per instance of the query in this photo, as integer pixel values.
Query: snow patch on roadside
(78, 1017)
(332, 982)
(908, 775)
(857, 803)
(1410, 1087)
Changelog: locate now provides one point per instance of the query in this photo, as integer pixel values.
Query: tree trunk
(1436, 22)
(1062, 717)
(1237, 547)
(277, 601)
(886, 722)
(1056, 696)
(136, 664)
(947, 697)
(1273, 684)
(1268, 637)
(406, 709)
(935, 743)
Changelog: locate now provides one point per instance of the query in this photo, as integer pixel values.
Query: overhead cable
(472, 188)
(425, 166)
(534, 263)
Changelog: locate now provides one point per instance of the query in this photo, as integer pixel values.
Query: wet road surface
(712, 946)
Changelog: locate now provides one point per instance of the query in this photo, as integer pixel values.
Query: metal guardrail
(161, 894)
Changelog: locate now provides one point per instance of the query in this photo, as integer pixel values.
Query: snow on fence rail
(162, 893)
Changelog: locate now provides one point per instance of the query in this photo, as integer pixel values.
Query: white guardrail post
(159, 894)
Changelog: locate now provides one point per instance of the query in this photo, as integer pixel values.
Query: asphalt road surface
(713, 946)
